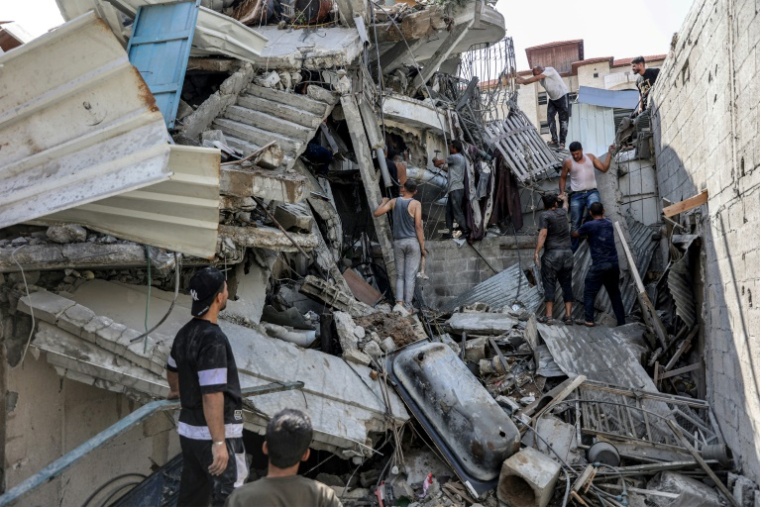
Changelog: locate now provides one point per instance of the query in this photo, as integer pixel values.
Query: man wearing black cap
(201, 370)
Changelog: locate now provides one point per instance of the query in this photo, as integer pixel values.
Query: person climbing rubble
(605, 270)
(201, 371)
(644, 81)
(456, 166)
(557, 261)
(558, 101)
(286, 444)
(408, 242)
(583, 191)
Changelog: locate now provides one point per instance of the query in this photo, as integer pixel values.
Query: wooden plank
(361, 290)
(679, 371)
(685, 205)
(682, 349)
(369, 179)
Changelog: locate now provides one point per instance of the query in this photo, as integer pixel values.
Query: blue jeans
(605, 275)
(580, 201)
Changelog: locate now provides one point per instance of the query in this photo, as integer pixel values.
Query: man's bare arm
(173, 379)
(385, 207)
(603, 166)
(563, 177)
(419, 229)
(213, 411)
(521, 80)
(541, 240)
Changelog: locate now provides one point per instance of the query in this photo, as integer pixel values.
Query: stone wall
(453, 269)
(706, 132)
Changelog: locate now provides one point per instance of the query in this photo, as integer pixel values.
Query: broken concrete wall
(48, 416)
(454, 270)
(706, 137)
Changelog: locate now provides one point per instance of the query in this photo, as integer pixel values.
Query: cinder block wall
(706, 132)
(453, 269)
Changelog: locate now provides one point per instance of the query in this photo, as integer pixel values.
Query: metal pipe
(424, 175)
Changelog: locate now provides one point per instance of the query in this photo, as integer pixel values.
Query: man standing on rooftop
(558, 102)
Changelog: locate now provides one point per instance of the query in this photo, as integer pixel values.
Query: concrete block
(46, 305)
(357, 356)
(743, 490)
(373, 349)
(344, 324)
(388, 345)
(66, 234)
(527, 479)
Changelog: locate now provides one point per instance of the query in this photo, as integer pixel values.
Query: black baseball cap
(204, 285)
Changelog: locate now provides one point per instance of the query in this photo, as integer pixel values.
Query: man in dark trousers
(644, 82)
(456, 166)
(557, 262)
(605, 270)
(557, 104)
(201, 370)
(287, 441)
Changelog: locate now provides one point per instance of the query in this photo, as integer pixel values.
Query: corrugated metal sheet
(83, 141)
(593, 126)
(622, 99)
(526, 154)
(181, 214)
(609, 355)
(215, 33)
(159, 48)
(681, 284)
(77, 123)
(499, 291)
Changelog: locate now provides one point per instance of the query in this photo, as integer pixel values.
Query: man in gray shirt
(557, 261)
(558, 101)
(457, 165)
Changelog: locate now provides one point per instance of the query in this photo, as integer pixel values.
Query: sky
(607, 27)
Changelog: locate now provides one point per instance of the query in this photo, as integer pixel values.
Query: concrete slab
(482, 323)
(345, 404)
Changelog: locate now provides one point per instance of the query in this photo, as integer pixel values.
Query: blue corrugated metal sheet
(159, 48)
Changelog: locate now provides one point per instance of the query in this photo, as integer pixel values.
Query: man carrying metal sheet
(558, 101)
(557, 261)
(201, 371)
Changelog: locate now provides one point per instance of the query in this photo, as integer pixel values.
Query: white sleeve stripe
(213, 377)
(171, 362)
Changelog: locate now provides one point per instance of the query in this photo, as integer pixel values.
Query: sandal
(543, 319)
(582, 322)
(552, 144)
(568, 321)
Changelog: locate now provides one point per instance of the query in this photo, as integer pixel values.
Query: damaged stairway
(264, 115)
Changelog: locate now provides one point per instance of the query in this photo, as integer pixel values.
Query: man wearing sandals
(557, 261)
(604, 264)
(557, 104)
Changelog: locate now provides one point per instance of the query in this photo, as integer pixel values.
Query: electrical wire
(177, 272)
(29, 297)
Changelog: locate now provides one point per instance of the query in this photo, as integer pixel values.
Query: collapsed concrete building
(256, 138)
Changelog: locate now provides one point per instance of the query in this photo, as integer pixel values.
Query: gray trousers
(406, 253)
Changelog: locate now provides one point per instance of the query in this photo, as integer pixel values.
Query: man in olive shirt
(287, 444)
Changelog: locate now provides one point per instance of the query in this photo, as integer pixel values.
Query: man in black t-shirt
(644, 82)
(557, 261)
(201, 371)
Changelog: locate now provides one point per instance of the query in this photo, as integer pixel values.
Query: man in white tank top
(583, 192)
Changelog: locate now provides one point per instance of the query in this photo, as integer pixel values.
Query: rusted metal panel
(77, 123)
